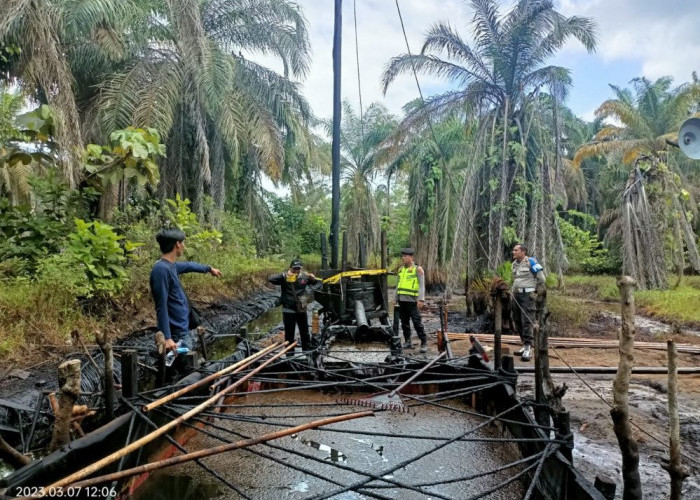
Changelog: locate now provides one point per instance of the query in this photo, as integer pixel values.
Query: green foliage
(505, 272)
(96, 247)
(583, 249)
(297, 228)
(130, 155)
(199, 238)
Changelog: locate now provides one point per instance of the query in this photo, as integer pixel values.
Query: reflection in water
(257, 328)
(332, 454)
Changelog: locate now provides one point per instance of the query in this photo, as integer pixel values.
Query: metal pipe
(335, 144)
(361, 319)
(37, 412)
(324, 252)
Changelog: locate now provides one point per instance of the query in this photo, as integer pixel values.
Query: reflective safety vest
(408, 281)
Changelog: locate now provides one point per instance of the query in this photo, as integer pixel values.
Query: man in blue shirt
(172, 306)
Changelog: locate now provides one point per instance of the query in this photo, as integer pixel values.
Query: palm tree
(646, 122)
(362, 143)
(193, 83)
(498, 80)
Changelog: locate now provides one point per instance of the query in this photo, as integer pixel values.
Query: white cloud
(662, 36)
(380, 38)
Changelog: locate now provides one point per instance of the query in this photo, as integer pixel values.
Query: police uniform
(409, 291)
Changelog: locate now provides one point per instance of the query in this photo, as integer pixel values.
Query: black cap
(407, 251)
(296, 263)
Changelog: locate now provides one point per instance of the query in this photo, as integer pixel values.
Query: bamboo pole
(113, 457)
(69, 385)
(674, 467)
(219, 449)
(620, 409)
(233, 368)
(418, 373)
(12, 456)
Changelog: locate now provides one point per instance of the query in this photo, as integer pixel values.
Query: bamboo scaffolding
(244, 363)
(113, 457)
(218, 449)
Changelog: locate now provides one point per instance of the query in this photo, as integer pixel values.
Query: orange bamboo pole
(229, 369)
(113, 457)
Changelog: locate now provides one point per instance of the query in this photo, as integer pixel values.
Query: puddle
(257, 328)
(331, 453)
(343, 452)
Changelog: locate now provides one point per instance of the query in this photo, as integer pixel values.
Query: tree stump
(69, 391)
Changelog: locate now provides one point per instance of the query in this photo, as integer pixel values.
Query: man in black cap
(410, 297)
(293, 283)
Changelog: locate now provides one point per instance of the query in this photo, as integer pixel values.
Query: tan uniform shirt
(523, 277)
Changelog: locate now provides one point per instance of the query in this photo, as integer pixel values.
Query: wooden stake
(620, 410)
(218, 449)
(102, 339)
(160, 362)
(113, 457)
(69, 386)
(674, 467)
(498, 331)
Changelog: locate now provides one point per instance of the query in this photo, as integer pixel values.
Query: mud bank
(19, 397)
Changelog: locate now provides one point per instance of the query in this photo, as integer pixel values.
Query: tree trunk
(69, 387)
(620, 409)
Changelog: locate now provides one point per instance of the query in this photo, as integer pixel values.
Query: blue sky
(648, 38)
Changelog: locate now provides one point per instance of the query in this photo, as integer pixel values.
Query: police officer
(293, 283)
(410, 297)
(528, 284)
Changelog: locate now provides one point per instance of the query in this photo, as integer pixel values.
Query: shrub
(95, 246)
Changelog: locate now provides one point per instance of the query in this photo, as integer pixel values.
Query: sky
(650, 38)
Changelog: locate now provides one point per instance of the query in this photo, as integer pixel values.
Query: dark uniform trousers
(523, 315)
(291, 320)
(408, 311)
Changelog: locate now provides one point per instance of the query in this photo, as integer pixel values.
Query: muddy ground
(596, 450)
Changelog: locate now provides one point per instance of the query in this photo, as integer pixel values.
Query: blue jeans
(186, 337)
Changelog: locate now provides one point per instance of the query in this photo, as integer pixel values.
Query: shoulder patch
(420, 271)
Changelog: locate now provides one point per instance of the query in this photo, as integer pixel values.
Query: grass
(679, 305)
(592, 287)
(38, 316)
(565, 312)
(674, 305)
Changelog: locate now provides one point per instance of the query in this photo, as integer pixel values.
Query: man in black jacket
(293, 283)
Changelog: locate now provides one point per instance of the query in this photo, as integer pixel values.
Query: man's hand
(421, 304)
(310, 275)
(215, 272)
(170, 345)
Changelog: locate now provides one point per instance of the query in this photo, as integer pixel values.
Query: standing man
(410, 297)
(293, 283)
(528, 284)
(172, 305)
